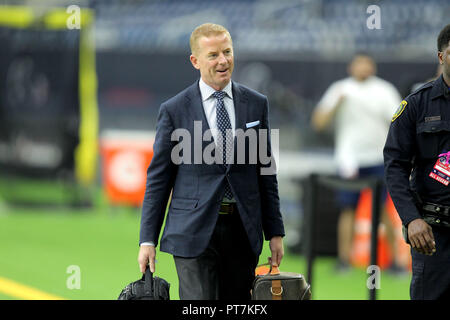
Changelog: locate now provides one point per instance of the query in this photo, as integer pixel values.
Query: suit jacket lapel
(240, 108)
(195, 105)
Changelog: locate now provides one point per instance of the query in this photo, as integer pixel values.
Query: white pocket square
(251, 124)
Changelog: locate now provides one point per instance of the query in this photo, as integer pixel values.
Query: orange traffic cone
(403, 250)
(360, 256)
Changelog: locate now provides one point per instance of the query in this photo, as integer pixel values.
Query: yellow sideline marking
(17, 290)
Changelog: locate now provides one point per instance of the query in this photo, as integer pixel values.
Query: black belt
(228, 208)
(436, 215)
(436, 209)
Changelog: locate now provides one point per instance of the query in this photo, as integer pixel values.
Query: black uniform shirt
(419, 132)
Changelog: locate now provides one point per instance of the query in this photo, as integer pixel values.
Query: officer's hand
(147, 254)
(421, 237)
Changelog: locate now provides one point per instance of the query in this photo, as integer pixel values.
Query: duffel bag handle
(273, 268)
(148, 278)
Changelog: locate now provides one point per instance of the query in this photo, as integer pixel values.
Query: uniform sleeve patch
(399, 110)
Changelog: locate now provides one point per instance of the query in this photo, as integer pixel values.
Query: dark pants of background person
(349, 199)
(225, 270)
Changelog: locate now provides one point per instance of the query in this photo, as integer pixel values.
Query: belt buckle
(439, 209)
(436, 209)
(224, 205)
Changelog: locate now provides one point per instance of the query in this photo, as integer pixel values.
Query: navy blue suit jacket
(198, 189)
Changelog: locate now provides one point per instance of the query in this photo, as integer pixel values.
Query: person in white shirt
(362, 106)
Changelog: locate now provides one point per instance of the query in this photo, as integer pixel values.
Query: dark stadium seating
(328, 27)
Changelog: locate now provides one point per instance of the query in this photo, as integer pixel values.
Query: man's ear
(441, 57)
(194, 61)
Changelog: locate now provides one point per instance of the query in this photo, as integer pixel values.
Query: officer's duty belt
(228, 208)
(436, 208)
(436, 215)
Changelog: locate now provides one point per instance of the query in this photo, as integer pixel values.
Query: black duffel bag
(147, 288)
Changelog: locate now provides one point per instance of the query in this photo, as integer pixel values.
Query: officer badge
(399, 110)
(441, 170)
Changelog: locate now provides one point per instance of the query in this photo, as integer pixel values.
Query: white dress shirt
(209, 106)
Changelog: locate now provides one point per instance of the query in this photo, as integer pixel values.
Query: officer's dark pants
(225, 270)
(431, 274)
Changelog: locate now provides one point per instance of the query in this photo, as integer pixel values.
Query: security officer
(417, 169)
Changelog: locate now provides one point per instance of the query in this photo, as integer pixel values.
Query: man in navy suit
(219, 211)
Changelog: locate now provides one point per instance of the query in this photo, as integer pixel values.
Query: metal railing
(310, 203)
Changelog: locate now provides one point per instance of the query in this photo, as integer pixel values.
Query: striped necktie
(224, 124)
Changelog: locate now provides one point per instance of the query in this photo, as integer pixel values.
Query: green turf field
(38, 245)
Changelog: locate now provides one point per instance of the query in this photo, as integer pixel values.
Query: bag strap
(148, 278)
(156, 287)
(276, 289)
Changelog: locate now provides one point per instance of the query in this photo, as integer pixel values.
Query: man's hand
(276, 247)
(147, 254)
(322, 118)
(421, 237)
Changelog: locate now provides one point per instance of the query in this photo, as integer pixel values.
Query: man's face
(214, 58)
(444, 60)
(362, 67)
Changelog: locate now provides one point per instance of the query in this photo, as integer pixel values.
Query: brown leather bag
(277, 285)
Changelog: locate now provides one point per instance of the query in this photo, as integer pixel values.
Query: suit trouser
(431, 274)
(225, 270)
